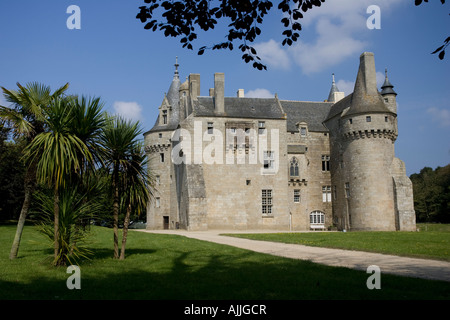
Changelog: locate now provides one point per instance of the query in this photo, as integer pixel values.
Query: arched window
(317, 219)
(293, 167)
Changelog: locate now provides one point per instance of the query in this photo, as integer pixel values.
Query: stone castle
(265, 163)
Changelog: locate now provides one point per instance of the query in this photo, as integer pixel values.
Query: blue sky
(130, 68)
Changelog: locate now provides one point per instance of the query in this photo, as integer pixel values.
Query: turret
(335, 95)
(388, 93)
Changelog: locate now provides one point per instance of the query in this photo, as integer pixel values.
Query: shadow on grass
(229, 274)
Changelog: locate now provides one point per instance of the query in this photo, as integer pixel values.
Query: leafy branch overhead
(440, 49)
(183, 19)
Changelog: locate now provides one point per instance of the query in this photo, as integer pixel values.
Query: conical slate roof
(387, 87)
(333, 89)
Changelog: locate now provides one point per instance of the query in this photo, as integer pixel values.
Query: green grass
(176, 267)
(431, 242)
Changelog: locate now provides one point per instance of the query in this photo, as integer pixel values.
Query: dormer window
(164, 116)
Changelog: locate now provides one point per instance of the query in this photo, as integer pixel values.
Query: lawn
(176, 267)
(431, 242)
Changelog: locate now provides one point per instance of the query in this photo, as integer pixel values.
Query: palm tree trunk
(29, 186)
(125, 232)
(56, 213)
(115, 184)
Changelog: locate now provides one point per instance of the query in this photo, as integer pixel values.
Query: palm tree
(56, 153)
(137, 189)
(118, 141)
(27, 118)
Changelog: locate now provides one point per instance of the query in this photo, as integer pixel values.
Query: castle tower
(363, 131)
(162, 210)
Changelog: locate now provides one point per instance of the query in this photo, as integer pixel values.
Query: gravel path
(411, 267)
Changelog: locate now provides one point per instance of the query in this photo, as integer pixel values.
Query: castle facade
(266, 163)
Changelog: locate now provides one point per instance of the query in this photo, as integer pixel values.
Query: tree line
(432, 194)
(67, 162)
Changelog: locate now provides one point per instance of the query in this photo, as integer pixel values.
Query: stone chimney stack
(194, 85)
(366, 80)
(240, 93)
(219, 92)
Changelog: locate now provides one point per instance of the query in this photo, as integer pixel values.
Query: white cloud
(339, 28)
(129, 110)
(441, 116)
(272, 54)
(345, 86)
(259, 93)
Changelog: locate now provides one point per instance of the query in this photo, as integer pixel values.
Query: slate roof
(253, 108)
(313, 113)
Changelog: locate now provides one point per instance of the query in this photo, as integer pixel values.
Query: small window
(160, 135)
(296, 195)
(325, 163)
(326, 194)
(269, 159)
(386, 100)
(386, 119)
(293, 168)
(303, 131)
(347, 190)
(266, 200)
(158, 180)
(210, 128)
(164, 115)
(233, 130)
(261, 127)
(368, 119)
(161, 157)
(350, 121)
(158, 202)
(248, 182)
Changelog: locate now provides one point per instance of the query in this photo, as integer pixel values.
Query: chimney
(211, 92)
(219, 92)
(194, 85)
(366, 80)
(240, 93)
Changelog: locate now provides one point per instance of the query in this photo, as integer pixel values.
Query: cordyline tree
(182, 19)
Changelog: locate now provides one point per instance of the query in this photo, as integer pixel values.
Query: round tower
(388, 93)
(367, 136)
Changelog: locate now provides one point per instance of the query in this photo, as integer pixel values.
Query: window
(158, 202)
(261, 127)
(161, 157)
(164, 115)
(158, 180)
(160, 135)
(233, 130)
(266, 201)
(317, 218)
(269, 159)
(210, 128)
(248, 182)
(350, 121)
(326, 194)
(296, 195)
(325, 163)
(303, 131)
(386, 119)
(293, 167)
(347, 190)
(368, 119)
